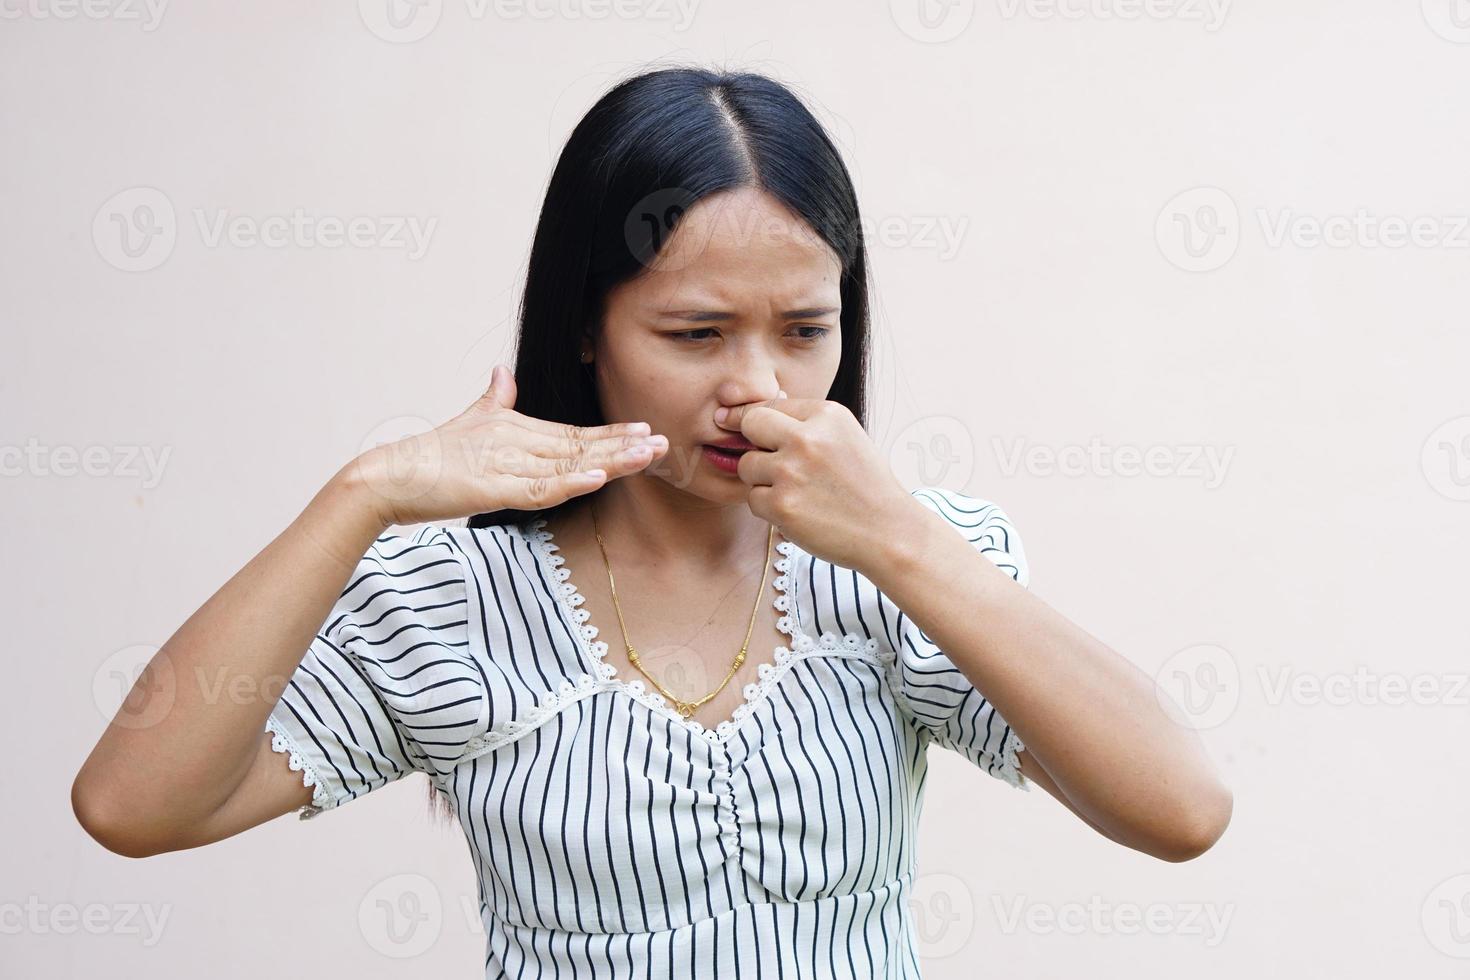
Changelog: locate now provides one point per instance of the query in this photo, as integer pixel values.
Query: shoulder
(983, 523)
(410, 564)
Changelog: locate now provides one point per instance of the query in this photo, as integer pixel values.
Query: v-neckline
(543, 544)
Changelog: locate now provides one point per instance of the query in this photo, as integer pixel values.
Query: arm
(199, 768)
(1096, 735)
(187, 760)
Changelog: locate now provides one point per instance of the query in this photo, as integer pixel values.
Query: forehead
(743, 244)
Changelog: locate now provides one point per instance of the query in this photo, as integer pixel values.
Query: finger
(567, 444)
(617, 458)
(757, 468)
(500, 393)
(548, 427)
(548, 491)
(798, 408)
(769, 430)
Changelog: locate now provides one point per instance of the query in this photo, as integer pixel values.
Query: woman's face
(742, 302)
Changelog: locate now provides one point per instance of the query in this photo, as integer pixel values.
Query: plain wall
(1092, 232)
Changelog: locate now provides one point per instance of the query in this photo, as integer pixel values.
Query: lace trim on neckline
(801, 647)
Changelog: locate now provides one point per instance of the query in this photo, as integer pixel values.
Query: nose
(746, 389)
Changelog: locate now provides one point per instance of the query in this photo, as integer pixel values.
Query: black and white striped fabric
(611, 835)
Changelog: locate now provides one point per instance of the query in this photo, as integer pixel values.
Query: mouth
(726, 451)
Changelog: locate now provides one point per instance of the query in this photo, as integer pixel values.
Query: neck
(671, 529)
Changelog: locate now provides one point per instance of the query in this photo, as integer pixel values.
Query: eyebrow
(715, 316)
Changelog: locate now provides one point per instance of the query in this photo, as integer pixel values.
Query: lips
(733, 444)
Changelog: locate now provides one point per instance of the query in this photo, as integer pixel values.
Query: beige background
(1304, 592)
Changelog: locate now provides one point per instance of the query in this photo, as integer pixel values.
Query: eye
(688, 334)
(820, 331)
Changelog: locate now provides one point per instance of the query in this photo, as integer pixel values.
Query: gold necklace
(685, 708)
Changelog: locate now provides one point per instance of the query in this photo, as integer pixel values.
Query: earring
(586, 357)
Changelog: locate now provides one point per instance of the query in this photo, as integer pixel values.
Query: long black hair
(646, 152)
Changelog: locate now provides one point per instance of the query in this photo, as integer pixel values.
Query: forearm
(1086, 714)
(191, 725)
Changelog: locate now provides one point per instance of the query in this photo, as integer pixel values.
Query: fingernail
(721, 414)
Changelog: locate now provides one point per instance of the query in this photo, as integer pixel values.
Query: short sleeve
(939, 697)
(389, 684)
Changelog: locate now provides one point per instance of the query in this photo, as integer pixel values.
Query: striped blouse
(612, 836)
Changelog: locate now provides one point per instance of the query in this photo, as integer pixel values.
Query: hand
(818, 477)
(491, 457)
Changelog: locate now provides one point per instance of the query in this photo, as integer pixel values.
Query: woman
(731, 779)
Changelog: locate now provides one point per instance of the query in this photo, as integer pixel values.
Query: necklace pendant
(686, 709)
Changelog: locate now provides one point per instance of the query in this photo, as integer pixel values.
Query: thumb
(502, 390)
